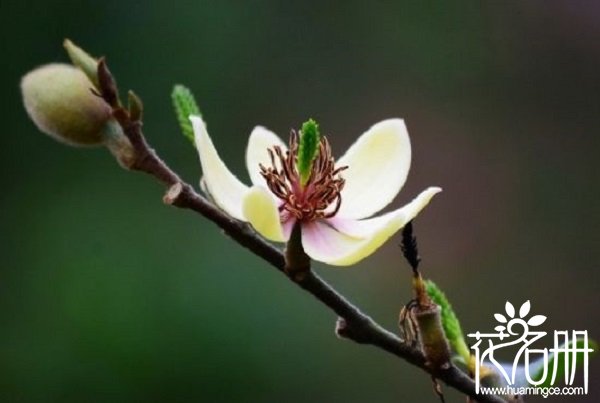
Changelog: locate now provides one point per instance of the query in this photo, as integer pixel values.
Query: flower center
(312, 200)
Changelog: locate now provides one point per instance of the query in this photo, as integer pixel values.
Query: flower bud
(59, 100)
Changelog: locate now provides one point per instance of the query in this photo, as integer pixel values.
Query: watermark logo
(531, 367)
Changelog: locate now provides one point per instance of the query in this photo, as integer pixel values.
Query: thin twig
(437, 388)
(357, 326)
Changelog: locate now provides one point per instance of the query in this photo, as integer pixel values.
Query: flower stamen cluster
(323, 188)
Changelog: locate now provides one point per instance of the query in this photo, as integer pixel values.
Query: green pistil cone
(449, 321)
(307, 149)
(185, 105)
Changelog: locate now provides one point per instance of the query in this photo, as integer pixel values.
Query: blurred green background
(106, 295)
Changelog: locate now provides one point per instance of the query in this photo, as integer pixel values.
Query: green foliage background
(106, 295)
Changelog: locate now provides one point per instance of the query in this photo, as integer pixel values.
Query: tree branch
(353, 324)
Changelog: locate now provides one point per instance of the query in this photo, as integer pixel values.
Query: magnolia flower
(330, 200)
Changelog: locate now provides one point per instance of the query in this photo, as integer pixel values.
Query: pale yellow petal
(226, 190)
(261, 139)
(260, 210)
(378, 163)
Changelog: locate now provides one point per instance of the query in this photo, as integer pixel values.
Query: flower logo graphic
(520, 333)
(534, 321)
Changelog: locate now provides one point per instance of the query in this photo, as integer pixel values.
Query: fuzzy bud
(432, 337)
(59, 100)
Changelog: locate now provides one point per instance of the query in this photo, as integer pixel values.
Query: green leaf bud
(450, 322)
(59, 100)
(185, 106)
(308, 148)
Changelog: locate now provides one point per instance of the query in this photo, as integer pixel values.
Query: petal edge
(346, 242)
(224, 187)
(260, 140)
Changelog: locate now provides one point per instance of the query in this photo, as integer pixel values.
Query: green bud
(450, 322)
(307, 149)
(185, 105)
(59, 100)
(83, 60)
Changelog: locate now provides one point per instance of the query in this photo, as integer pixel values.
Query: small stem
(409, 248)
(411, 253)
(297, 262)
(421, 296)
(437, 388)
(426, 313)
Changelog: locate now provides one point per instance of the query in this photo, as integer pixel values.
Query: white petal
(345, 242)
(260, 209)
(378, 163)
(226, 190)
(261, 139)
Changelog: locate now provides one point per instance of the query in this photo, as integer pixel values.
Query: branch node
(173, 194)
(345, 330)
(341, 328)
(433, 340)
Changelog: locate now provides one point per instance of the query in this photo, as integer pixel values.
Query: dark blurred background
(106, 295)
